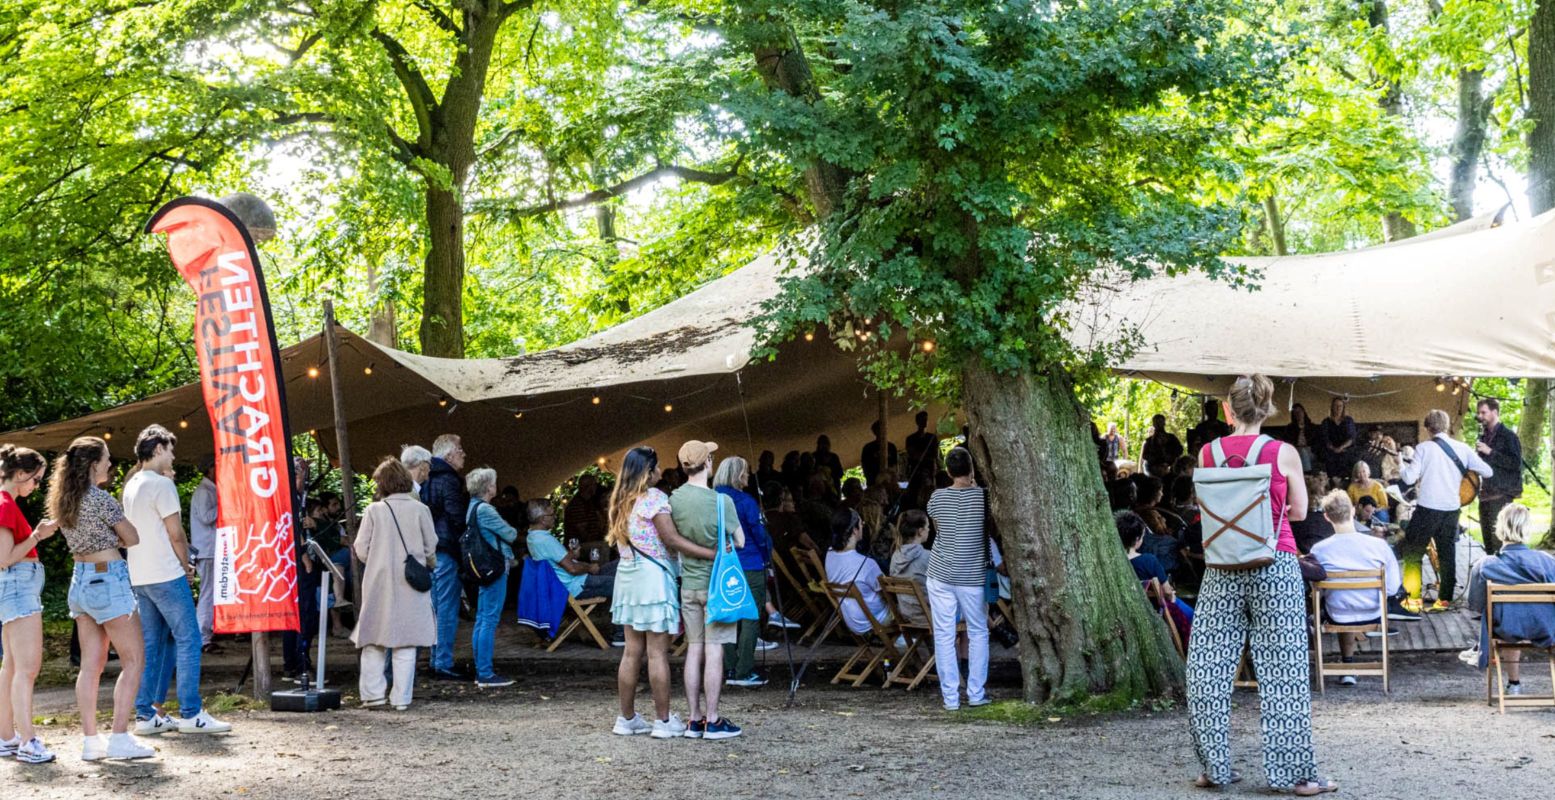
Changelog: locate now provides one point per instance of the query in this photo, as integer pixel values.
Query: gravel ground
(550, 735)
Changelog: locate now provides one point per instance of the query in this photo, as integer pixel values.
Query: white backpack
(1239, 529)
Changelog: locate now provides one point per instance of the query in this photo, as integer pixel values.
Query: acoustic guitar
(1468, 486)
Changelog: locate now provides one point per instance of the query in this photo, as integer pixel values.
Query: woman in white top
(845, 565)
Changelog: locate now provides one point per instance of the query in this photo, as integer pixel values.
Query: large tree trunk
(1468, 141)
(1395, 226)
(442, 304)
(1085, 628)
(1541, 190)
(382, 329)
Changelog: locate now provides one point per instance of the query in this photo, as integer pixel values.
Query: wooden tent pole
(882, 446)
(343, 445)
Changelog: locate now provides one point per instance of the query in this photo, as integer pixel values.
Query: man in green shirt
(695, 513)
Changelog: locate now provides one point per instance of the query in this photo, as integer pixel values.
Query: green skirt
(646, 598)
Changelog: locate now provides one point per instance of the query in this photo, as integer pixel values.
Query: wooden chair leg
(586, 618)
(562, 635)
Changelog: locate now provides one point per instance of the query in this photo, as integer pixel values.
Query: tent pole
(343, 445)
(882, 449)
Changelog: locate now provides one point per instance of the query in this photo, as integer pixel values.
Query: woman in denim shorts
(101, 600)
(21, 605)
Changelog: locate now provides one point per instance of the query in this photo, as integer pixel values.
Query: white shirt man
(1349, 550)
(1439, 478)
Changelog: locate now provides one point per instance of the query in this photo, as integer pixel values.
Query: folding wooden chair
(807, 607)
(1158, 601)
(1354, 580)
(577, 616)
(919, 636)
(877, 654)
(813, 571)
(1495, 682)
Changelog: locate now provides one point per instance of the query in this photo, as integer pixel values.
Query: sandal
(1204, 782)
(1314, 787)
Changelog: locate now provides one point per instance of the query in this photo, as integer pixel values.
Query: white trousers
(372, 683)
(946, 602)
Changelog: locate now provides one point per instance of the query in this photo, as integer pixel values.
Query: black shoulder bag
(416, 573)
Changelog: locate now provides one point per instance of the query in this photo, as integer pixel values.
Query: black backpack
(479, 561)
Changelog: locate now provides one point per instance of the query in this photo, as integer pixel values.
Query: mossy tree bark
(1085, 628)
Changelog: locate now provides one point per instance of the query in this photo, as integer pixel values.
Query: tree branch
(422, 101)
(439, 17)
(499, 207)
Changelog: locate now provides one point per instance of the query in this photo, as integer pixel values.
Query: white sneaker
(8, 746)
(1347, 680)
(156, 726)
(124, 745)
(1514, 689)
(203, 722)
(94, 748)
(33, 752)
(763, 644)
(1470, 657)
(635, 726)
(671, 728)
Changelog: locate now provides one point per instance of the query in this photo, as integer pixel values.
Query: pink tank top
(1278, 486)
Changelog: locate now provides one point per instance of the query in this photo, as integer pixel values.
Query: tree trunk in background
(1468, 141)
(382, 328)
(442, 289)
(1541, 190)
(1271, 213)
(1084, 627)
(783, 67)
(1394, 225)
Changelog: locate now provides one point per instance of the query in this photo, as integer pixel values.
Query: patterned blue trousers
(1266, 609)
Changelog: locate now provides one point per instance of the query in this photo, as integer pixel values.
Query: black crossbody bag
(416, 573)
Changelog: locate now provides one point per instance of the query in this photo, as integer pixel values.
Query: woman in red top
(21, 604)
(1264, 608)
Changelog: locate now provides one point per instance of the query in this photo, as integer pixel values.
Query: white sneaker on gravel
(1347, 680)
(203, 722)
(8, 746)
(636, 726)
(124, 745)
(94, 748)
(33, 752)
(671, 728)
(1470, 656)
(156, 726)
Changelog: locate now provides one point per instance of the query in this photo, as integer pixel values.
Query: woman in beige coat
(394, 619)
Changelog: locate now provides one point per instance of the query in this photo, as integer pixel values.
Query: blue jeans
(171, 628)
(445, 605)
(487, 613)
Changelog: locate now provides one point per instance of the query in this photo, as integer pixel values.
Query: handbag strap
(397, 530)
(658, 563)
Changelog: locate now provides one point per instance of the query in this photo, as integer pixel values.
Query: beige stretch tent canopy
(1379, 324)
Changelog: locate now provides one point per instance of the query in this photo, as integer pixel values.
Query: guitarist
(1437, 467)
(1501, 449)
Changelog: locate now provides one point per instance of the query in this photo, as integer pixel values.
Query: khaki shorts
(693, 614)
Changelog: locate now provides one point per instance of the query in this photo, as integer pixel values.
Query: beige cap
(695, 453)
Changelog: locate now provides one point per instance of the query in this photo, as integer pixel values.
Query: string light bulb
(107, 434)
(518, 415)
(367, 370)
(313, 372)
(928, 346)
(668, 408)
(809, 336)
(442, 402)
(596, 399)
(183, 423)
(601, 461)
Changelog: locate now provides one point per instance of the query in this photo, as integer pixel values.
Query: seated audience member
(582, 579)
(784, 524)
(846, 565)
(1514, 622)
(1315, 528)
(1301, 434)
(1350, 550)
(1371, 452)
(1131, 530)
(1391, 465)
(911, 560)
(766, 473)
(852, 493)
(1149, 492)
(1368, 517)
(1121, 493)
(879, 543)
(1362, 485)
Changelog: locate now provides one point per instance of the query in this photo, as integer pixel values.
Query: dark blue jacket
(444, 494)
(757, 552)
(542, 599)
(1516, 563)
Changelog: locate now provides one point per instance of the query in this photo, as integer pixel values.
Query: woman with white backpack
(1250, 489)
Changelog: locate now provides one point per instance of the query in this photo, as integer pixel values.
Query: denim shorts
(21, 591)
(101, 591)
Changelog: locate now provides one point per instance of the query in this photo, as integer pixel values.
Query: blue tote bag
(728, 595)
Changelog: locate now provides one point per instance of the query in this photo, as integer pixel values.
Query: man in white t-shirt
(159, 570)
(1352, 550)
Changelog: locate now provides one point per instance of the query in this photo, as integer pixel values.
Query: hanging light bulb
(1440, 385)
(928, 346)
(183, 423)
(596, 399)
(518, 415)
(313, 372)
(809, 336)
(367, 370)
(442, 402)
(601, 461)
(107, 434)
(668, 408)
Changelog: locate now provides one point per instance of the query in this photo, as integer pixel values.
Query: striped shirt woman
(955, 580)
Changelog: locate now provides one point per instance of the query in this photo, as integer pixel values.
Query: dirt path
(549, 737)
